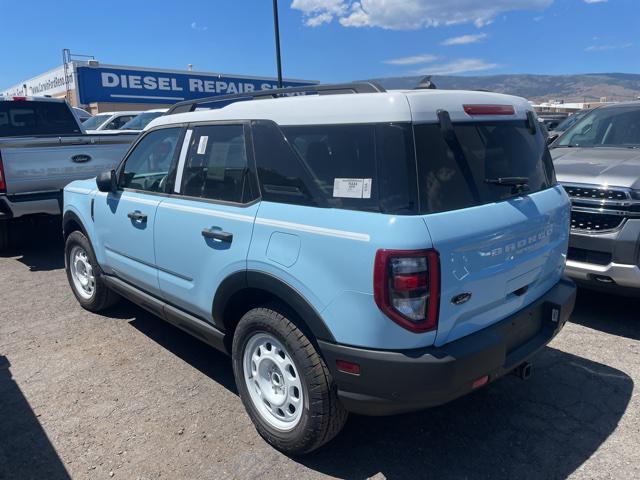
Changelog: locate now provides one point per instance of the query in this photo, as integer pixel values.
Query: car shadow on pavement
(545, 427)
(199, 355)
(38, 245)
(612, 314)
(25, 450)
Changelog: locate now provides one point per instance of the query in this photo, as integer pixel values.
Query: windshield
(570, 121)
(26, 118)
(141, 121)
(484, 162)
(94, 123)
(611, 127)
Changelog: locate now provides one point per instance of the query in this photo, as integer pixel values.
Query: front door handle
(137, 216)
(217, 235)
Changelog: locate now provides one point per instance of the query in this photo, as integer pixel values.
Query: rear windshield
(454, 175)
(28, 118)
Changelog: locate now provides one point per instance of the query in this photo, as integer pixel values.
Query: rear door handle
(217, 235)
(137, 216)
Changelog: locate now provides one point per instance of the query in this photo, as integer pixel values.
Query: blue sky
(328, 40)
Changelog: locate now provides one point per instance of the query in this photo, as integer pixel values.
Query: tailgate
(506, 255)
(48, 164)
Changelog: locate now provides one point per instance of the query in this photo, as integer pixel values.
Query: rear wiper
(517, 184)
(450, 137)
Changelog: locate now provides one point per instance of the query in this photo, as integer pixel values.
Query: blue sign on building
(104, 84)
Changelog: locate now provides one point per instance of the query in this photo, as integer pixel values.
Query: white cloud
(413, 60)
(317, 12)
(465, 39)
(604, 47)
(409, 14)
(595, 1)
(200, 28)
(462, 65)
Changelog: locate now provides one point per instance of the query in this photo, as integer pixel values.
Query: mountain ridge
(587, 87)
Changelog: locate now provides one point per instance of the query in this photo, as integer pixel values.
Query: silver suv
(598, 162)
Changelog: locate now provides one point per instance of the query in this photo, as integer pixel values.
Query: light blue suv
(354, 250)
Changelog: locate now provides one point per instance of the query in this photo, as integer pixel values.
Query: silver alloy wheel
(82, 275)
(273, 382)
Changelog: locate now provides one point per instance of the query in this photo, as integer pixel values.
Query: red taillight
(19, 99)
(3, 184)
(489, 109)
(406, 286)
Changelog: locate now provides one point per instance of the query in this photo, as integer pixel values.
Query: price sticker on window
(202, 145)
(352, 188)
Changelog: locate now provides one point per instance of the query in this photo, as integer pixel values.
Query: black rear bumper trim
(393, 382)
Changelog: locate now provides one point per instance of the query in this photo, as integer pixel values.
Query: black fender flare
(241, 280)
(72, 216)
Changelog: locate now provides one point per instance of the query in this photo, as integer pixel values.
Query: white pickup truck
(43, 148)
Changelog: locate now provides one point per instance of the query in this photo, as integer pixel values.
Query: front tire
(284, 384)
(84, 274)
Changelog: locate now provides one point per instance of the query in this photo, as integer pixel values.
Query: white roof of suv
(391, 106)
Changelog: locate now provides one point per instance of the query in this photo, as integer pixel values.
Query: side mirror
(107, 181)
(552, 138)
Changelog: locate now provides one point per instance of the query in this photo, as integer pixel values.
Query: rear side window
(216, 165)
(26, 118)
(451, 178)
(355, 167)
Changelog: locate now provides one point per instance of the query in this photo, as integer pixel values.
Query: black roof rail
(329, 89)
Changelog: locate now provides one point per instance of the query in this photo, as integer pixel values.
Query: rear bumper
(15, 206)
(393, 382)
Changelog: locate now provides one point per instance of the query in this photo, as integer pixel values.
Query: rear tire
(84, 274)
(293, 400)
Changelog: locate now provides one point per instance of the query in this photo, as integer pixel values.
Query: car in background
(597, 160)
(108, 121)
(82, 114)
(42, 148)
(139, 122)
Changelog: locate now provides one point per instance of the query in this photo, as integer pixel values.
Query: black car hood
(615, 167)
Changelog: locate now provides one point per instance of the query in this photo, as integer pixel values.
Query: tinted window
(455, 176)
(216, 164)
(357, 167)
(36, 118)
(148, 166)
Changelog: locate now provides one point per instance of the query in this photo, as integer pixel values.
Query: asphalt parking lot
(123, 395)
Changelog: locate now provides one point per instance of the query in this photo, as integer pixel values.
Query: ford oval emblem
(462, 298)
(80, 158)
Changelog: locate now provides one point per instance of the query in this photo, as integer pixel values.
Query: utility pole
(276, 26)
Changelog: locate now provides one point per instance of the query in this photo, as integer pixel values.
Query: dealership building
(102, 88)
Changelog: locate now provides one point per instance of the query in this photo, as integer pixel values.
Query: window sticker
(352, 188)
(202, 145)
